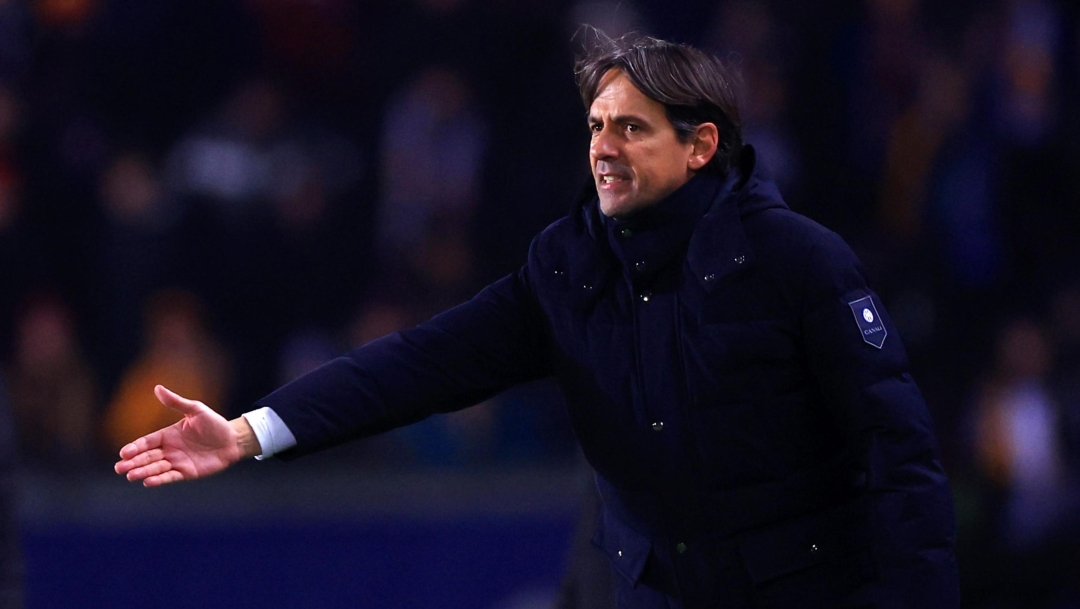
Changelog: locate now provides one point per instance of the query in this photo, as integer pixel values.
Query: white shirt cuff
(271, 432)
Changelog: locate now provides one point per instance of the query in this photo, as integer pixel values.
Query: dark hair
(693, 86)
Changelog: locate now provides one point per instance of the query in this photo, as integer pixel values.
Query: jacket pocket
(627, 549)
(813, 560)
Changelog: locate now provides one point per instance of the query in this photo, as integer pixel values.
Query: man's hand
(201, 444)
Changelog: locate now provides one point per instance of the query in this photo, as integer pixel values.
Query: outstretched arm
(201, 444)
(458, 358)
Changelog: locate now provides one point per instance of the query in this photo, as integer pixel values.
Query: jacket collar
(718, 243)
(650, 239)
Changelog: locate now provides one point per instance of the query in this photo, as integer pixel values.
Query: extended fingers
(165, 478)
(146, 471)
(139, 460)
(143, 444)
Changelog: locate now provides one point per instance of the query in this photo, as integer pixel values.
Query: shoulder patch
(869, 322)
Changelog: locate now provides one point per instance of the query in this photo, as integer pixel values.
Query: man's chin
(608, 211)
(619, 211)
(616, 209)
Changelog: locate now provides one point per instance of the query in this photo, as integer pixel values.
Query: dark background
(219, 195)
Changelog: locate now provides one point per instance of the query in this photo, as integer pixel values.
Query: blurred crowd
(219, 196)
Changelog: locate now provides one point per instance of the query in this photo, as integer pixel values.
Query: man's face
(636, 157)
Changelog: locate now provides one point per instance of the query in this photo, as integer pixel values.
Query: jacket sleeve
(861, 370)
(458, 358)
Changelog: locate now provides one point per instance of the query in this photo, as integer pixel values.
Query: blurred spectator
(1021, 551)
(234, 159)
(938, 240)
(964, 207)
(52, 387)
(914, 141)
(1018, 437)
(137, 244)
(310, 246)
(1039, 192)
(886, 54)
(433, 151)
(1027, 112)
(180, 354)
(433, 147)
(254, 148)
(750, 36)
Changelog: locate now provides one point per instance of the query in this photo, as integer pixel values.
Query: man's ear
(706, 138)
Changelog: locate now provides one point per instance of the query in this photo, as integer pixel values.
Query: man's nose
(603, 146)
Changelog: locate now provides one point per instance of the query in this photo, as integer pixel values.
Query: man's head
(659, 113)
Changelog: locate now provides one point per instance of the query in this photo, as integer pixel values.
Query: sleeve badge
(870, 323)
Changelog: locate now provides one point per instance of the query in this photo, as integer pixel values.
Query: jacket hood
(720, 246)
(755, 189)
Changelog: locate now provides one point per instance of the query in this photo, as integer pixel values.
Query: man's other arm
(861, 368)
(862, 371)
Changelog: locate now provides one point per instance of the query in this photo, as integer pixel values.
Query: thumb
(180, 404)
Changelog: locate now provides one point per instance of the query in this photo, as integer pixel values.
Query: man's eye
(595, 128)
(632, 128)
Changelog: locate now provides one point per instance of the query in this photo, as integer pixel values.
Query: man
(739, 391)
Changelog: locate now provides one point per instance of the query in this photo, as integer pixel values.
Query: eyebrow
(618, 119)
